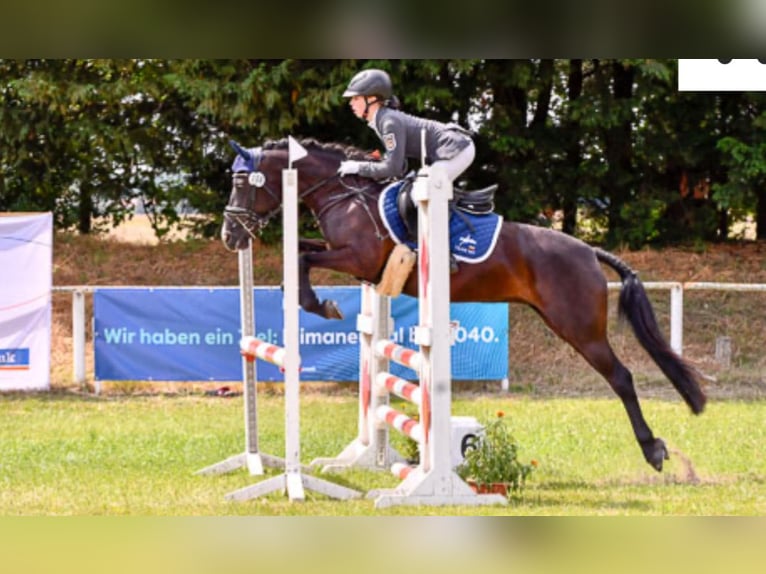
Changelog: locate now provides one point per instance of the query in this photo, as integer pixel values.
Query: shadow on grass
(73, 395)
(574, 494)
(53, 395)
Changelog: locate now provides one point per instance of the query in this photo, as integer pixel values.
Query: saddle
(476, 202)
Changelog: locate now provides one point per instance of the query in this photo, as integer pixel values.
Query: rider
(448, 145)
(371, 99)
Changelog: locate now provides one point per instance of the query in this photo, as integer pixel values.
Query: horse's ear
(246, 155)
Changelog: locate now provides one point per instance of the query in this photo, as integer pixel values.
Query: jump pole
(371, 448)
(293, 481)
(252, 458)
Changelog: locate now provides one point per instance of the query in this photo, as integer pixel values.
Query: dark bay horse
(559, 276)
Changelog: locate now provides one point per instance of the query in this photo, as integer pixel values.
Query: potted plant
(491, 462)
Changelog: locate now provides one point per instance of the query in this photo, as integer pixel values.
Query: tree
(572, 142)
(85, 138)
(613, 139)
(744, 157)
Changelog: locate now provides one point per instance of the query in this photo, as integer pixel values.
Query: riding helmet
(370, 82)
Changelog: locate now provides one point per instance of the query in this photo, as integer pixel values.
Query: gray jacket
(400, 134)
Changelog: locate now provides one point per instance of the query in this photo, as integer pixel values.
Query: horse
(557, 275)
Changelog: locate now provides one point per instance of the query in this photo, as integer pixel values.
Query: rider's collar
(371, 117)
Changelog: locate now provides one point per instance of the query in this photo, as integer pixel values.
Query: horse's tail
(635, 305)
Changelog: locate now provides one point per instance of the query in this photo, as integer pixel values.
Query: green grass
(62, 454)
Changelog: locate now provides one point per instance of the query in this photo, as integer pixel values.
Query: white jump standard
(252, 458)
(293, 481)
(433, 482)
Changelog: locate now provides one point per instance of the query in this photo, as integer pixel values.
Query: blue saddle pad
(469, 243)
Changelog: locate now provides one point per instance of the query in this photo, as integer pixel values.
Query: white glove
(349, 167)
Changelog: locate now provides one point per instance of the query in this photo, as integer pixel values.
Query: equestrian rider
(448, 145)
(371, 99)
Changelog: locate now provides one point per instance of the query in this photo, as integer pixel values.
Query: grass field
(120, 467)
(68, 455)
(134, 450)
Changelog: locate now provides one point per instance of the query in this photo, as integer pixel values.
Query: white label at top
(722, 75)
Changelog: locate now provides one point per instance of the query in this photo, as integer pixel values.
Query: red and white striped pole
(253, 348)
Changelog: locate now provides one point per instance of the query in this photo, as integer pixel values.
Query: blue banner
(193, 335)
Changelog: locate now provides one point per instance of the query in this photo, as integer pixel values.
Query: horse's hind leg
(583, 325)
(600, 355)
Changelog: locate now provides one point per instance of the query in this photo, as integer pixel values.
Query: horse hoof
(330, 310)
(658, 455)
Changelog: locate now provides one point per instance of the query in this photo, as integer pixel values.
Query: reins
(354, 194)
(254, 223)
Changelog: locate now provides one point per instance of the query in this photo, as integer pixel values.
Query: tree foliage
(612, 140)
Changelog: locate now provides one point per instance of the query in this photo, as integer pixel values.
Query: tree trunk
(574, 151)
(618, 147)
(543, 102)
(85, 209)
(510, 101)
(509, 121)
(760, 213)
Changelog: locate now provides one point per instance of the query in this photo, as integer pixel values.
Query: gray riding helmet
(370, 82)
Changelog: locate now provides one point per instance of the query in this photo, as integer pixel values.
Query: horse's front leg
(361, 261)
(307, 296)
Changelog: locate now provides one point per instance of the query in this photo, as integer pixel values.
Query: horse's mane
(347, 151)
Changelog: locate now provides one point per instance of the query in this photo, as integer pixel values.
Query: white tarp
(26, 277)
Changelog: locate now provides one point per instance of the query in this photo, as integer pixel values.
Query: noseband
(253, 181)
(247, 178)
(246, 216)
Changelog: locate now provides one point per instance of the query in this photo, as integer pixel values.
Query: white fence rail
(676, 289)
(677, 301)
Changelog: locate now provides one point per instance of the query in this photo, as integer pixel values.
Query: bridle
(250, 221)
(253, 181)
(247, 217)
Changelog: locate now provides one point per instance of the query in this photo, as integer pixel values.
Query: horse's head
(256, 194)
